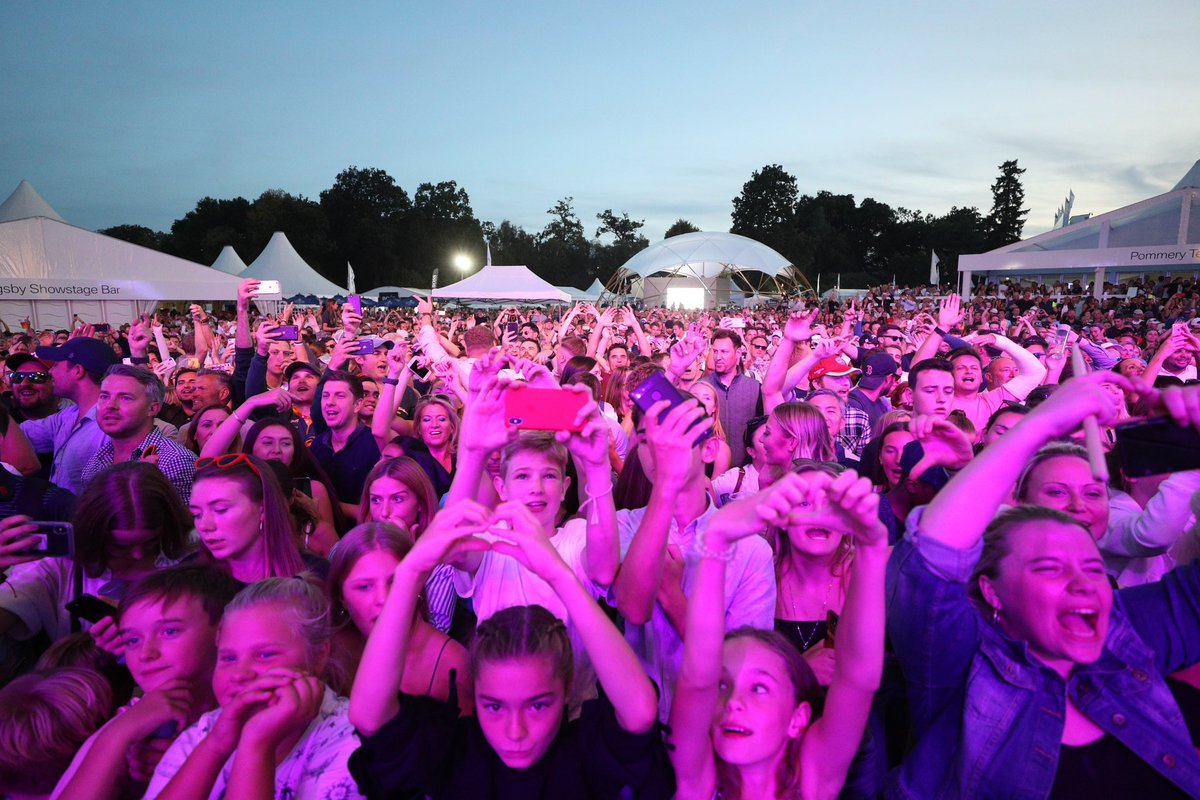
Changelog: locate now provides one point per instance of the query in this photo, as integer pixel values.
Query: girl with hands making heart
(742, 721)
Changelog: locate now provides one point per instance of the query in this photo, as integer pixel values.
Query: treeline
(391, 238)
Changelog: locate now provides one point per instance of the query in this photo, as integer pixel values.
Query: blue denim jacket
(989, 718)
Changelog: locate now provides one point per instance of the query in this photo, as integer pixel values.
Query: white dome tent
(1157, 235)
(703, 269)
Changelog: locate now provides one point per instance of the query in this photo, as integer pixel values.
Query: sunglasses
(32, 377)
(226, 461)
(759, 346)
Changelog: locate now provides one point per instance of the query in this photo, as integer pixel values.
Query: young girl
(520, 744)
(398, 491)
(742, 722)
(707, 395)
(359, 580)
(205, 423)
(279, 731)
(242, 518)
(796, 430)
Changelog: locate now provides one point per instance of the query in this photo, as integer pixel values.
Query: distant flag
(933, 268)
(488, 245)
(350, 277)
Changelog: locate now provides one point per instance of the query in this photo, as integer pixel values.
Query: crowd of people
(888, 546)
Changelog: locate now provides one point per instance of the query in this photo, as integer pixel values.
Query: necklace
(808, 640)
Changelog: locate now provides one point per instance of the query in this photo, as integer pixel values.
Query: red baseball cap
(835, 366)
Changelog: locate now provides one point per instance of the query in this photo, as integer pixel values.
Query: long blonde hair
(806, 424)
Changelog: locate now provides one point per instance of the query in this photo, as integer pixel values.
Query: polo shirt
(175, 461)
(347, 468)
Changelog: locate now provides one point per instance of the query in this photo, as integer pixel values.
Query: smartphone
(286, 333)
(354, 302)
(656, 388)
(102, 327)
(304, 485)
(268, 287)
(831, 624)
(512, 327)
(365, 347)
(1155, 447)
(52, 539)
(90, 608)
(420, 373)
(533, 409)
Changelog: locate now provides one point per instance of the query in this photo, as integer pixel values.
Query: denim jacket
(989, 718)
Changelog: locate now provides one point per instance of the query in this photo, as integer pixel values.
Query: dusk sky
(131, 112)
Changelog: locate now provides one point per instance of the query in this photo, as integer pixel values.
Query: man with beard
(32, 397)
(346, 449)
(128, 400)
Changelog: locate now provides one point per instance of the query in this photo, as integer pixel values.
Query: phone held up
(268, 287)
(656, 388)
(534, 409)
(52, 539)
(287, 333)
(90, 608)
(354, 303)
(1156, 447)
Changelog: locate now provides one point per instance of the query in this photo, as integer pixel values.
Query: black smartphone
(365, 347)
(656, 388)
(304, 485)
(52, 539)
(1155, 447)
(831, 624)
(102, 327)
(286, 333)
(90, 608)
(512, 327)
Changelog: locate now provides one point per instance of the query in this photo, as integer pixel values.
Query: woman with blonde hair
(434, 443)
(707, 395)
(796, 430)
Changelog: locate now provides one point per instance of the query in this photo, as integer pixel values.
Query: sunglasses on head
(32, 377)
(226, 461)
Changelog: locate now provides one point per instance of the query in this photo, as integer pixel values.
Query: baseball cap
(835, 367)
(913, 452)
(379, 342)
(876, 370)
(92, 354)
(296, 366)
(18, 360)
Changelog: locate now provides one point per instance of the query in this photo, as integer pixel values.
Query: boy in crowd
(168, 633)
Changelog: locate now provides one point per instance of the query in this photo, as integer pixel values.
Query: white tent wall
(59, 314)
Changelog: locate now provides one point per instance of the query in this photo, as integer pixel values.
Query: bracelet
(593, 516)
(701, 549)
(392, 381)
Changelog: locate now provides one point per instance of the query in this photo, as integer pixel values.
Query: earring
(995, 613)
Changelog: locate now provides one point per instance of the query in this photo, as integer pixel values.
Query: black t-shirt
(429, 750)
(1107, 768)
(347, 468)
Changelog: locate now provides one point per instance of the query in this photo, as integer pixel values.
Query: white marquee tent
(280, 261)
(1158, 235)
(51, 271)
(229, 261)
(503, 284)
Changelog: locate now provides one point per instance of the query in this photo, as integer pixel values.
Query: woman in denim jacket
(1019, 658)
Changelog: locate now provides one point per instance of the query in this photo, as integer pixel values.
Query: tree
(304, 223)
(767, 203)
(364, 193)
(565, 252)
(364, 207)
(136, 234)
(200, 234)
(1007, 218)
(512, 244)
(680, 227)
(443, 201)
(628, 240)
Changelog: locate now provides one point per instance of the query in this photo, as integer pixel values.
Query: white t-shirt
(726, 488)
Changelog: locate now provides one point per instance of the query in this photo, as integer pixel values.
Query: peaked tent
(279, 261)
(577, 295)
(493, 283)
(596, 289)
(229, 261)
(51, 271)
(26, 203)
(1156, 235)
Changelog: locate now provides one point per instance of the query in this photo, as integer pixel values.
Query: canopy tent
(1158, 235)
(712, 263)
(26, 203)
(279, 261)
(579, 295)
(229, 261)
(51, 271)
(596, 289)
(503, 284)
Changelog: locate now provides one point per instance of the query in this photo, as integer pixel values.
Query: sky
(128, 113)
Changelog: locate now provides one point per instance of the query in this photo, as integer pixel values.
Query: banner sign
(103, 289)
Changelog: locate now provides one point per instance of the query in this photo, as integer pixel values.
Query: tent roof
(26, 203)
(1146, 236)
(706, 254)
(64, 261)
(229, 261)
(578, 294)
(399, 291)
(280, 261)
(502, 283)
(596, 289)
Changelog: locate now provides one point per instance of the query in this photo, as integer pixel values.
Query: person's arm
(641, 572)
(636, 328)
(374, 699)
(617, 668)
(962, 510)
(222, 438)
(564, 326)
(483, 431)
(16, 450)
(1030, 371)
(295, 705)
(391, 392)
(589, 448)
(1169, 346)
(1154, 529)
(104, 770)
(683, 354)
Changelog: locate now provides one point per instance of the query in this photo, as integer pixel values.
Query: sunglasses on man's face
(32, 377)
(758, 346)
